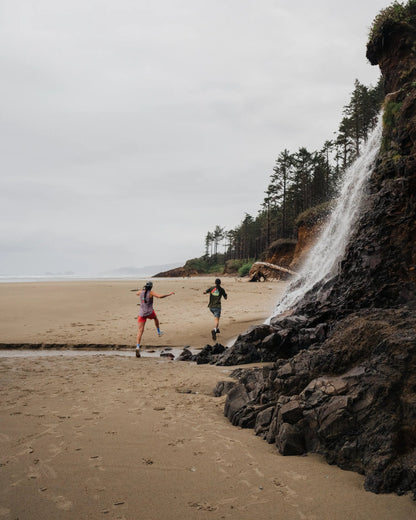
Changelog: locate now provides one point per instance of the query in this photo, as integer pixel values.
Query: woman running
(147, 312)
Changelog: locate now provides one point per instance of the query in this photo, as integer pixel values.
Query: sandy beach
(107, 435)
(105, 312)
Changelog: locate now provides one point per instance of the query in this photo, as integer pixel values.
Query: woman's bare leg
(140, 331)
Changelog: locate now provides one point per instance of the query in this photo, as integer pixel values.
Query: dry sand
(113, 436)
(105, 312)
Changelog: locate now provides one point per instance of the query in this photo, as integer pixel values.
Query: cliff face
(280, 252)
(290, 253)
(307, 236)
(379, 266)
(343, 382)
(180, 272)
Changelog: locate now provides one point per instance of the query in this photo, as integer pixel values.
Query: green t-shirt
(215, 295)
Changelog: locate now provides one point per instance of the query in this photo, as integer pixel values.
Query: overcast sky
(130, 128)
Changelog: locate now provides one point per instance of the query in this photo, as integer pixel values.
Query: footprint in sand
(55, 450)
(295, 476)
(202, 507)
(177, 442)
(285, 490)
(61, 502)
(258, 472)
(96, 462)
(47, 471)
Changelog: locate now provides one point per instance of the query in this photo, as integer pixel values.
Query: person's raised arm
(161, 295)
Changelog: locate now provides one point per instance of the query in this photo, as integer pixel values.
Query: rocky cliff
(343, 381)
(290, 254)
(178, 272)
(280, 252)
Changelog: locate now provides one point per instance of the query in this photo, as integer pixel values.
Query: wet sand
(126, 438)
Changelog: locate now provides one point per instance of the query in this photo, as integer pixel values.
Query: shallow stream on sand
(153, 352)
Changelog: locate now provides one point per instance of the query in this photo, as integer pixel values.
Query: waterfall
(323, 260)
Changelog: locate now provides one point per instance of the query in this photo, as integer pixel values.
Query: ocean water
(34, 353)
(74, 278)
(66, 278)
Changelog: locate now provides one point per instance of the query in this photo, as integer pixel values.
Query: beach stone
(167, 355)
(185, 355)
(291, 412)
(263, 420)
(223, 387)
(209, 354)
(236, 399)
(289, 322)
(334, 417)
(267, 343)
(246, 349)
(290, 440)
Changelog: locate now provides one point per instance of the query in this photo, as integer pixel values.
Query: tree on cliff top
(302, 180)
(396, 12)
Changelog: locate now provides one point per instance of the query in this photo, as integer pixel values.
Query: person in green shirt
(216, 292)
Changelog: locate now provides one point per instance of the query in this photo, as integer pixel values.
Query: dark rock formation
(223, 387)
(178, 272)
(350, 398)
(167, 355)
(281, 340)
(185, 355)
(209, 354)
(343, 382)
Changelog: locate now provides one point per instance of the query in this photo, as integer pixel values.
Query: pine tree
(302, 180)
(217, 236)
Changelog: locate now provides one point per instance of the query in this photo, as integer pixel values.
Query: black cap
(217, 281)
(149, 285)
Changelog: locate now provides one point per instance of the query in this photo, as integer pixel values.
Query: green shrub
(391, 113)
(232, 266)
(245, 268)
(315, 215)
(204, 265)
(282, 242)
(197, 264)
(216, 268)
(395, 13)
(391, 110)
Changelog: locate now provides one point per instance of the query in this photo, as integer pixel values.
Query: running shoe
(160, 333)
(138, 352)
(214, 334)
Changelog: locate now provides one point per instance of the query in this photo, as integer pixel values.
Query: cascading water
(323, 260)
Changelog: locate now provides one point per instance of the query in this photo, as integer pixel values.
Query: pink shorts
(142, 319)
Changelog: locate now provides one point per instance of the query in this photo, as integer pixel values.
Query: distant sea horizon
(122, 273)
(70, 277)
